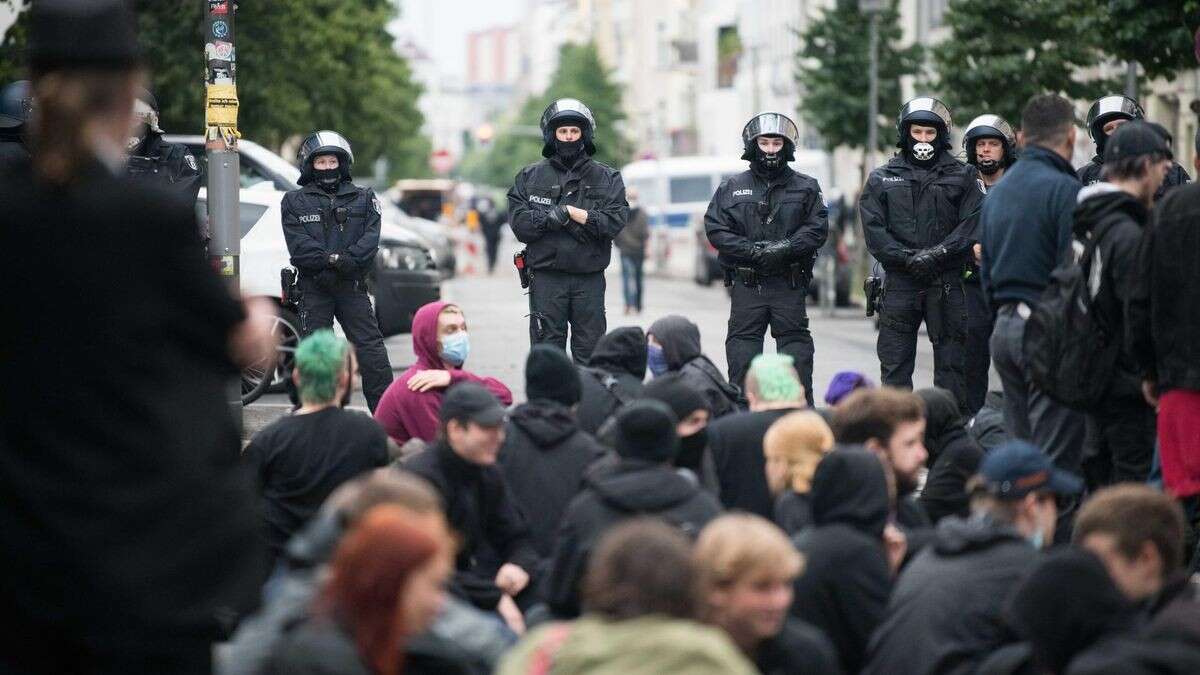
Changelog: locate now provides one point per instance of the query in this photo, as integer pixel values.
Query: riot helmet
(325, 143)
(145, 118)
(16, 105)
(925, 111)
(769, 124)
(567, 112)
(1107, 109)
(990, 126)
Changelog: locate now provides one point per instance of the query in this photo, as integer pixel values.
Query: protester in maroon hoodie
(409, 407)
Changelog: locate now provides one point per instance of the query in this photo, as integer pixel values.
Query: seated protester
(848, 565)
(409, 407)
(613, 376)
(953, 456)
(946, 611)
(640, 606)
(301, 458)
(773, 390)
(496, 554)
(641, 482)
(891, 423)
(1138, 533)
(987, 427)
(746, 567)
(793, 448)
(544, 455)
(692, 411)
(1064, 607)
(385, 586)
(843, 384)
(461, 634)
(673, 344)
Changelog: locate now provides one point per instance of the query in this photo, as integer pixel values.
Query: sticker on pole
(225, 265)
(218, 6)
(220, 29)
(218, 50)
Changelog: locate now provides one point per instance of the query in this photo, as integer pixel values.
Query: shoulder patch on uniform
(310, 218)
(376, 205)
(982, 187)
(891, 179)
(745, 192)
(190, 161)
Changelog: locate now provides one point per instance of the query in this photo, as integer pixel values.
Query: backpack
(1069, 354)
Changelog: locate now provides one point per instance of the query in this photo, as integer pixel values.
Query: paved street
(495, 308)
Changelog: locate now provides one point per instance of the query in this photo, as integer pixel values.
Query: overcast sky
(440, 27)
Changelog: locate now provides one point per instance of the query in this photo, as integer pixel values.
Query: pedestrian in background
(127, 521)
(1027, 220)
(631, 243)
(567, 209)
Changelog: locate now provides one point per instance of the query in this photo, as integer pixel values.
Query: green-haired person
(299, 459)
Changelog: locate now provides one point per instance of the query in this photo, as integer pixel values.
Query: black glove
(327, 279)
(346, 268)
(776, 254)
(576, 230)
(927, 263)
(557, 218)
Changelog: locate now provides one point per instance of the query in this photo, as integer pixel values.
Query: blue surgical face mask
(1037, 539)
(455, 348)
(656, 360)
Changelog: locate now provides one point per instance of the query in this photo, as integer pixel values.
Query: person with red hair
(386, 584)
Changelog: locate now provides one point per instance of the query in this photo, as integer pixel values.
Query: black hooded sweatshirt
(953, 457)
(846, 580)
(628, 489)
(945, 614)
(543, 458)
(614, 374)
(680, 340)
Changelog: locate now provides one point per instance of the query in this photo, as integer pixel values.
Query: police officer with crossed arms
(767, 224)
(332, 231)
(920, 215)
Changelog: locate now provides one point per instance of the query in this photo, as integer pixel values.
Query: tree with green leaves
(580, 74)
(1000, 54)
(832, 67)
(1158, 34)
(302, 65)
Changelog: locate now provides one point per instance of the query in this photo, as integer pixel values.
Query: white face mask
(923, 152)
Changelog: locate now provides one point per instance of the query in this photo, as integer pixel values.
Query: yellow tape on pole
(221, 109)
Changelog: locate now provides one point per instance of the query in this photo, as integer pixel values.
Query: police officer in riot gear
(767, 224)
(156, 160)
(566, 209)
(1105, 115)
(332, 231)
(920, 215)
(16, 104)
(991, 146)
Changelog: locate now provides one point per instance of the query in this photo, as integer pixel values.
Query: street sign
(441, 161)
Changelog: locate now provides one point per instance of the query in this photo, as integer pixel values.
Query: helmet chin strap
(987, 167)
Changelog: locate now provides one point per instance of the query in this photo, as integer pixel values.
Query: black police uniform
(567, 264)
(906, 209)
(749, 209)
(1176, 175)
(168, 164)
(318, 224)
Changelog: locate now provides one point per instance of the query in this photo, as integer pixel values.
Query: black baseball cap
(471, 402)
(1017, 468)
(1136, 139)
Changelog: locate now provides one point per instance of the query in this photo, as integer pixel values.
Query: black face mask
(568, 151)
(987, 167)
(691, 451)
(768, 165)
(919, 153)
(327, 179)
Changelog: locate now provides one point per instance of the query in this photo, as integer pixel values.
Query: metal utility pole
(872, 8)
(221, 134)
(1131, 80)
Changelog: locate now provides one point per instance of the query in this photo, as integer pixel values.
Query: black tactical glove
(557, 218)
(346, 268)
(926, 263)
(327, 279)
(776, 254)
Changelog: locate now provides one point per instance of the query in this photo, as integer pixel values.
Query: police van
(675, 192)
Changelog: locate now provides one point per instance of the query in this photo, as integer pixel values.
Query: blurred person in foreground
(639, 615)
(300, 459)
(773, 390)
(746, 567)
(127, 522)
(793, 448)
(946, 611)
(385, 586)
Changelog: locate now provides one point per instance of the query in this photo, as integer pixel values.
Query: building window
(936, 11)
(729, 51)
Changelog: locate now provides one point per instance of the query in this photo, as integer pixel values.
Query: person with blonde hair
(745, 567)
(793, 447)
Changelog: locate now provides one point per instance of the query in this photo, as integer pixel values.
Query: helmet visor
(927, 108)
(990, 125)
(1114, 106)
(566, 108)
(771, 124)
(326, 142)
